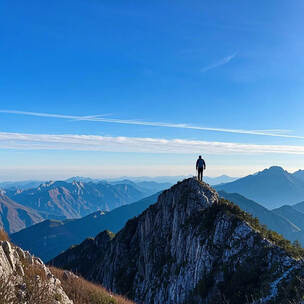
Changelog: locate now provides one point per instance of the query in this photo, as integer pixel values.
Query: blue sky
(142, 88)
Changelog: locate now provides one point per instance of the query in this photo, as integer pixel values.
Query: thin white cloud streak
(72, 142)
(221, 62)
(98, 118)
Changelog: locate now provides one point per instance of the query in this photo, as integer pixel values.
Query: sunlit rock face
(25, 279)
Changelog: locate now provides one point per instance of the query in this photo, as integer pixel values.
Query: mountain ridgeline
(191, 247)
(76, 199)
(271, 187)
(21, 208)
(49, 238)
(14, 216)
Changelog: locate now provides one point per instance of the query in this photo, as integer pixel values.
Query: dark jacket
(200, 164)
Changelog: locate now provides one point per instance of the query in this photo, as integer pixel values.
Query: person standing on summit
(200, 167)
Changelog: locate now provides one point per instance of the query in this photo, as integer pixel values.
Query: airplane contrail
(98, 118)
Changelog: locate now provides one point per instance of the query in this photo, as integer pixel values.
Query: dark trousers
(200, 174)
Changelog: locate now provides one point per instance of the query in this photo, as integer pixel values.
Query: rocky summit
(191, 247)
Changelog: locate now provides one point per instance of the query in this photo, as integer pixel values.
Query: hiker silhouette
(200, 167)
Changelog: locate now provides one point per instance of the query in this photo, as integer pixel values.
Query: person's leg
(200, 174)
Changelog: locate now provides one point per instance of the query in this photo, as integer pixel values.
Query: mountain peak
(274, 170)
(271, 187)
(191, 194)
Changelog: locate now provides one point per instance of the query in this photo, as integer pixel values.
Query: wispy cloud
(72, 142)
(101, 118)
(219, 63)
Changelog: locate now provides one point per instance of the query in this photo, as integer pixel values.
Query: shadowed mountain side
(299, 207)
(190, 247)
(147, 187)
(23, 185)
(299, 174)
(272, 220)
(271, 187)
(291, 214)
(14, 217)
(51, 237)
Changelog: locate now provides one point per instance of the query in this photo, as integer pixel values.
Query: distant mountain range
(167, 180)
(271, 187)
(20, 208)
(291, 214)
(219, 179)
(294, 214)
(174, 179)
(51, 237)
(22, 185)
(76, 199)
(14, 216)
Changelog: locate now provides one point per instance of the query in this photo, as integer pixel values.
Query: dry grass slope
(83, 292)
(34, 289)
(3, 235)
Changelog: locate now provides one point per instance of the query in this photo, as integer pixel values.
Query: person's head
(200, 156)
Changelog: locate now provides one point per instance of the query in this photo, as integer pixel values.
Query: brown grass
(7, 291)
(37, 285)
(83, 292)
(3, 235)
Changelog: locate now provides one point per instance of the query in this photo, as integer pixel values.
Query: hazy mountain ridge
(188, 247)
(51, 237)
(291, 214)
(167, 180)
(58, 200)
(271, 187)
(76, 199)
(299, 174)
(299, 207)
(23, 185)
(14, 216)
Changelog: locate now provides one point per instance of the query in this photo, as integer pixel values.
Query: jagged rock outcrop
(25, 279)
(189, 247)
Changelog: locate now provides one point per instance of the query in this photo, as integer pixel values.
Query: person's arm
(196, 164)
(204, 165)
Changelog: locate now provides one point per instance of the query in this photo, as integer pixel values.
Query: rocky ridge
(189, 247)
(25, 279)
